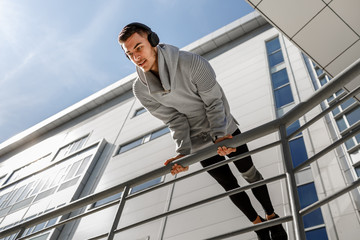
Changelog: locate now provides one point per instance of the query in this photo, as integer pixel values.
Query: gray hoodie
(187, 98)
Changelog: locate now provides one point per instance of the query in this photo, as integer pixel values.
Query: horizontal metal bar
(324, 201)
(94, 210)
(216, 197)
(205, 169)
(335, 144)
(253, 228)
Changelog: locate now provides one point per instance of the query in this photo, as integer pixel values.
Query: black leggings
(227, 180)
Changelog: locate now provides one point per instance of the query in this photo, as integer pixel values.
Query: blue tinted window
(307, 196)
(353, 116)
(130, 145)
(341, 124)
(349, 143)
(358, 138)
(313, 219)
(336, 111)
(139, 111)
(323, 81)
(275, 58)
(108, 199)
(316, 234)
(283, 96)
(293, 127)
(159, 133)
(357, 169)
(298, 151)
(279, 78)
(272, 46)
(146, 185)
(347, 103)
(319, 71)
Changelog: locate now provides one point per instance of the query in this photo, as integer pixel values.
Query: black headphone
(152, 36)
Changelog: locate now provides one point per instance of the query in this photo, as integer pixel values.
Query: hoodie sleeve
(203, 76)
(176, 121)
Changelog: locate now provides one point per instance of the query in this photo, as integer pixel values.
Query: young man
(180, 88)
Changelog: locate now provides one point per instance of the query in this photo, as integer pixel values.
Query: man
(180, 88)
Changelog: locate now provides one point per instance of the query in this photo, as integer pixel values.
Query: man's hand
(223, 151)
(176, 168)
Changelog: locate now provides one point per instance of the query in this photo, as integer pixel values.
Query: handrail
(299, 110)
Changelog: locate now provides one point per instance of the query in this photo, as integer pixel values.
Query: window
(44, 183)
(70, 148)
(27, 169)
(279, 75)
(143, 139)
(107, 200)
(298, 151)
(139, 111)
(283, 96)
(131, 145)
(159, 133)
(313, 222)
(146, 185)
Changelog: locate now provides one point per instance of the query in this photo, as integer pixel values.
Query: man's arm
(203, 76)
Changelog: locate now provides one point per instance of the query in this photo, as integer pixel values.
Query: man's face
(140, 52)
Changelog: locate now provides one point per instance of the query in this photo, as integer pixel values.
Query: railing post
(291, 184)
(118, 213)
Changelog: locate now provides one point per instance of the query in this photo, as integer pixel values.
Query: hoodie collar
(168, 57)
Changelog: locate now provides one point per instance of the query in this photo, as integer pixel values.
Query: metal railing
(278, 125)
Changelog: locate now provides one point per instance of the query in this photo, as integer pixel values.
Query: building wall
(243, 72)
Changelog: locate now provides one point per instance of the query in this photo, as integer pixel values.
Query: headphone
(152, 36)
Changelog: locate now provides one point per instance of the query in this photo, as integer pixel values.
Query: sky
(54, 53)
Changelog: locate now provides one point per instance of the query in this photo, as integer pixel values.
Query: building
(108, 139)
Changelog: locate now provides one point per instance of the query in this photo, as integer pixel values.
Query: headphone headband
(152, 36)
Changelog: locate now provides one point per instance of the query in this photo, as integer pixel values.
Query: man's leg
(227, 180)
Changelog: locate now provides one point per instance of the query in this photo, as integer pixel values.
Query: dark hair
(132, 28)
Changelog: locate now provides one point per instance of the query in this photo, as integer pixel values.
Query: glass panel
(108, 199)
(159, 133)
(353, 116)
(298, 151)
(313, 219)
(83, 165)
(146, 185)
(283, 96)
(357, 170)
(349, 144)
(293, 127)
(323, 81)
(307, 194)
(316, 234)
(139, 111)
(279, 78)
(336, 111)
(130, 145)
(341, 124)
(275, 58)
(272, 45)
(319, 71)
(347, 103)
(357, 137)
(72, 171)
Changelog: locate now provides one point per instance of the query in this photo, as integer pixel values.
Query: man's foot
(263, 234)
(277, 232)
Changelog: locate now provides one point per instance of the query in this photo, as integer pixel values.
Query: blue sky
(54, 53)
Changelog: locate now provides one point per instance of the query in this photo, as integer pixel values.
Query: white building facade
(108, 139)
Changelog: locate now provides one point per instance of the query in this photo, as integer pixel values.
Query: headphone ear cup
(153, 39)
